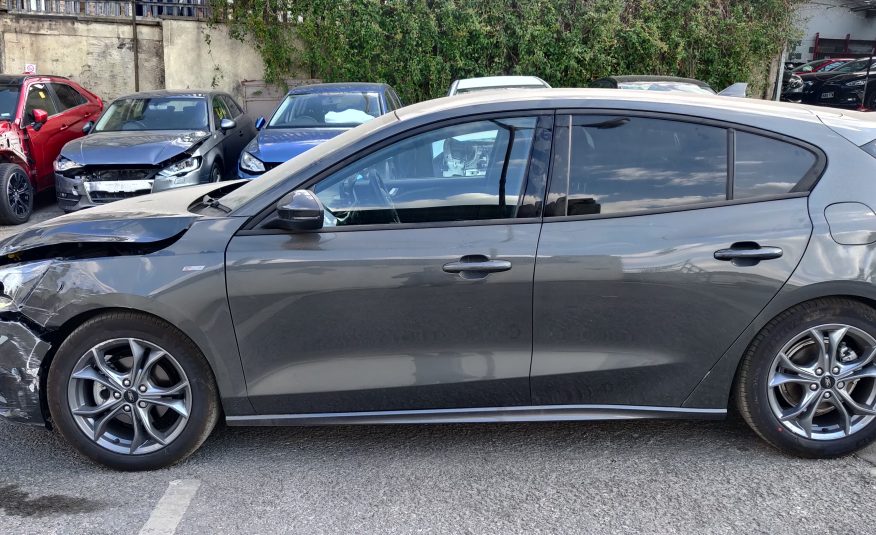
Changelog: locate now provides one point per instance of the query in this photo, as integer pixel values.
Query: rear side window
(766, 166)
(67, 96)
(233, 108)
(622, 165)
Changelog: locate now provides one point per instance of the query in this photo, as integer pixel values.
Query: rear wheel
(132, 392)
(807, 384)
(16, 195)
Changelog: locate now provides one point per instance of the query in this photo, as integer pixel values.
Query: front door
(45, 140)
(417, 293)
(663, 240)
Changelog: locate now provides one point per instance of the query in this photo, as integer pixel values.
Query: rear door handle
(748, 253)
(477, 265)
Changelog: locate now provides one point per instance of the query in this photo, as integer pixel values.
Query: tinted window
(233, 108)
(67, 96)
(458, 173)
(629, 164)
(220, 111)
(766, 166)
(9, 101)
(159, 113)
(38, 98)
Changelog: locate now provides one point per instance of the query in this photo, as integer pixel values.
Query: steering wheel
(376, 193)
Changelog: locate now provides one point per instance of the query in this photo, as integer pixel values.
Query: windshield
(335, 110)
(157, 113)
(277, 176)
(8, 101)
(855, 66)
(666, 86)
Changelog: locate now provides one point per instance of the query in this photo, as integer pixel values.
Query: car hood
(146, 148)
(822, 76)
(141, 220)
(848, 77)
(277, 145)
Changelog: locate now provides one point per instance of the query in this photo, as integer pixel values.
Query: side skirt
(543, 413)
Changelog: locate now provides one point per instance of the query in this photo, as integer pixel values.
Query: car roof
(342, 87)
(676, 102)
(171, 93)
(16, 79)
(499, 81)
(649, 78)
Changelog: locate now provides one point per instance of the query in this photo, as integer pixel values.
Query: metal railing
(145, 9)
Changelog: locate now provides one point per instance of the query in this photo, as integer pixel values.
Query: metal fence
(189, 9)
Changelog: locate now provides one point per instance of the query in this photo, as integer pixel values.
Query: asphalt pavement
(629, 476)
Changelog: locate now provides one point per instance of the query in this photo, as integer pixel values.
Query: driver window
(465, 172)
(38, 98)
(219, 111)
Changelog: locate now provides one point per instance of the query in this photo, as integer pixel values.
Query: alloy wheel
(129, 396)
(18, 193)
(822, 384)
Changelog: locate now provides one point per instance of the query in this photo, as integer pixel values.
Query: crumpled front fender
(21, 354)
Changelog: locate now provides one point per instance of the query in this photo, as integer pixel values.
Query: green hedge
(421, 46)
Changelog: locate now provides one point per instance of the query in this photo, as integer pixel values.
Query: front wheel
(132, 392)
(807, 384)
(16, 195)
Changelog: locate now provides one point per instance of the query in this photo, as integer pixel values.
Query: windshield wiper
(210, 202)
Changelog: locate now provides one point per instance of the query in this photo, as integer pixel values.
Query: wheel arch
(715, 389)
(56, 336)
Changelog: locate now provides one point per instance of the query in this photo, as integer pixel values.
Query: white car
(484, 83)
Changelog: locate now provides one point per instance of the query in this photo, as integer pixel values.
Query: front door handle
(748, 253)
(477, 265)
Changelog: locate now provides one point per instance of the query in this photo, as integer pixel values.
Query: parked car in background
(310, 115)
(667, 83)
(360, 283)
(38, 115)
(821, 65)
(813, 92)
(153, 141)
(486, 83)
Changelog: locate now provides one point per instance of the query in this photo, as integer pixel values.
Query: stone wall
(98, 53)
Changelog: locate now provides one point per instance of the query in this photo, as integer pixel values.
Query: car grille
(100, 197)
(97, 175)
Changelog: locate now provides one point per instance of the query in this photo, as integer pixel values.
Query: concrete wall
(98, 53)
(832, 20)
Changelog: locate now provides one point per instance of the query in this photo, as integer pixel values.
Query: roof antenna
(863, 106)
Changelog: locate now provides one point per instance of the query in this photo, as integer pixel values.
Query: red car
(822, 65)
(38, 115)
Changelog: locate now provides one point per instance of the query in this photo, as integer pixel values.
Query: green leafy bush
(421, 46)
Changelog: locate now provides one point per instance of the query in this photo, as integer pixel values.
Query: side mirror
(227, 124)
(300, 210)
(39, 118)
(260, 123)
(86, 128)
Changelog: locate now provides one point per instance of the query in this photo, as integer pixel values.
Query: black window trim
(802, 189)
(254, 225)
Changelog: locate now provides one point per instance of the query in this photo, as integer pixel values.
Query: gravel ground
(634, 477)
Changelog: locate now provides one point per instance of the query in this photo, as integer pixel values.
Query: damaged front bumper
(21, 354)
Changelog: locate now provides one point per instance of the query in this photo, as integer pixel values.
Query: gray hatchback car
(152, 141)
(531, 256)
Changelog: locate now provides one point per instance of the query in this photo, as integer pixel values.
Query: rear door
(74, 110)
(663, 239)
(417, 293)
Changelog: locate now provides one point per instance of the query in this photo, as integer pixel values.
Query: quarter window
(766, 166)
(622, 165)
(466, 172)
(67, 96)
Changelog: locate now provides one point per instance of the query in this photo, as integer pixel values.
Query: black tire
(216, 172)
(204, 411)
(752, 391)
(16, 195)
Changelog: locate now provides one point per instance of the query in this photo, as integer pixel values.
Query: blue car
(310, 115)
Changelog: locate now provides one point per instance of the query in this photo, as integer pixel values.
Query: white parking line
(171, 507)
